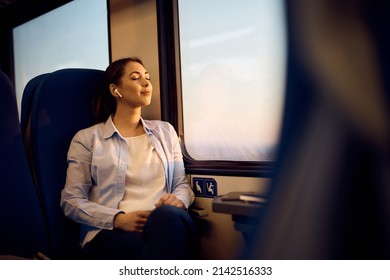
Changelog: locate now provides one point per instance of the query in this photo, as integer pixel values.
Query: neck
(128, 122)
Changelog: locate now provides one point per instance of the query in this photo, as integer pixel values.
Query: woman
(126, 183)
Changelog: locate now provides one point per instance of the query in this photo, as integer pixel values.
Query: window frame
(171, 101)
(21, 12)
(14, 15)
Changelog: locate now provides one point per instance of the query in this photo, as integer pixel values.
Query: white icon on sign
(198, 188)
(210, 188)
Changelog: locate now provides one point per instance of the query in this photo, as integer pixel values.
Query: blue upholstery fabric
(28, 94)
(23, 231)
(27, 99)
(329, 197)
(62, 105)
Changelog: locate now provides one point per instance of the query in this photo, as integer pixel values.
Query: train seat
(25, 115)
(61, 105)
(27, 98)
(23, 233)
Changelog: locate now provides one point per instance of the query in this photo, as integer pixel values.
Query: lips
(146, 92)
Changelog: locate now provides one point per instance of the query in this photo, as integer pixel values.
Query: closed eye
(137, 75)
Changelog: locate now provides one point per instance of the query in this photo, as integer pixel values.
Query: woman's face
(135, 86)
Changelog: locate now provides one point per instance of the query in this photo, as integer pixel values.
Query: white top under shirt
(145, 179)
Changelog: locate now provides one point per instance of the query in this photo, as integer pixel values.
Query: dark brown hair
(104, 104)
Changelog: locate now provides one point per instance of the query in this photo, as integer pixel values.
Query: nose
(145, 82)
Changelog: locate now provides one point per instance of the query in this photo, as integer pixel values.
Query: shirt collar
(110, 129)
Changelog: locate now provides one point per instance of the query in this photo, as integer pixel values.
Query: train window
(74, 35)
(232, 69)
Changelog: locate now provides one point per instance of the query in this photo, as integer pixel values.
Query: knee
(169, 214)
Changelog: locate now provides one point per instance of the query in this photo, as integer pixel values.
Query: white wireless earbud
(120, 95)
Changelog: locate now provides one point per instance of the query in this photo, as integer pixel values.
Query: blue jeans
(168, 234)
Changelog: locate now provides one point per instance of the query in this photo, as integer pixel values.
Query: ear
(112, 90)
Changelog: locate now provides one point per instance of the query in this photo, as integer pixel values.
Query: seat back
(25, 118)
(330, 194)
(28, 94)
(62, 105)
(23, 231)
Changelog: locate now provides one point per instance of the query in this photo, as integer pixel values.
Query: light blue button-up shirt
(97, 164)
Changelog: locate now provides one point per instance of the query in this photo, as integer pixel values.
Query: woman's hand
(170, 199)
(133, 221)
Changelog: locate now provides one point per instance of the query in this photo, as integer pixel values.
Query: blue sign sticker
(199, 186)
(211, 188)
